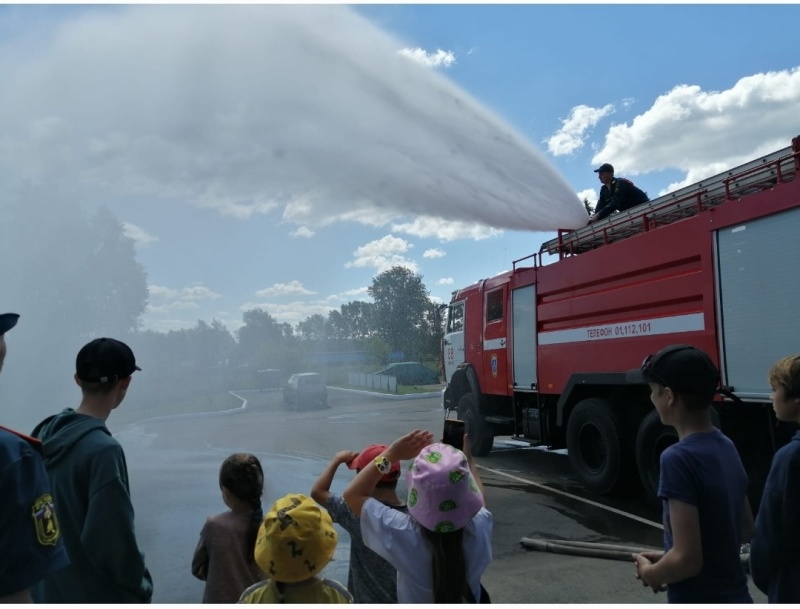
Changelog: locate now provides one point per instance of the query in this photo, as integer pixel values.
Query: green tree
(312, 329)
(589, 207)
(262, 341)
(402, 306)
(73, 275)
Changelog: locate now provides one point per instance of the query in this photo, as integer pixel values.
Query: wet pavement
(174, 463)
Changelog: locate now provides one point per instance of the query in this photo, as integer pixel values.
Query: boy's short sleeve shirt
(28, 522)
(704, 470)
(371, 578)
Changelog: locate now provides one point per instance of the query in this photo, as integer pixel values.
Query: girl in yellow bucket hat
(294, 543)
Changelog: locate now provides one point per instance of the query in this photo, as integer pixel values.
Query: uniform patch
(43, 512)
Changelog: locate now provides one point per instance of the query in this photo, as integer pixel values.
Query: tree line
(73, 275)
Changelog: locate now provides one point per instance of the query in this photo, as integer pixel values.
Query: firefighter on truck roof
(616, 194)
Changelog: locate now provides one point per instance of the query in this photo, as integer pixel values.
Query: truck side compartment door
(523, 322)
(757, 298)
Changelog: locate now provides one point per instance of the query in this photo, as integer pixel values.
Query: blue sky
(170, 110)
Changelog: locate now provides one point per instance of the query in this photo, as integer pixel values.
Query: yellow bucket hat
(296, 540)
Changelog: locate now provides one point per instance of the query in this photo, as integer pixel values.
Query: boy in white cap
(295, 542)
(29, 536)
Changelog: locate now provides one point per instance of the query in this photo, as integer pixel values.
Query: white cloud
(164, 300)
(628, 102)
(349, 295)
(445, 281)
(434, 253)
(293, 288)
(589, 193)
(445, 230)
(705, 132)
(437, 59)
(176, 305)
(570, 137)
(141, 237)
(347, 125)
(382, 254)
(293, 312)
(303, 231)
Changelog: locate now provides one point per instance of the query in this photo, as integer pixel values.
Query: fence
(372, 381)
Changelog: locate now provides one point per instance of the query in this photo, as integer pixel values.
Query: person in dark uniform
(617, 194)
(29, 534)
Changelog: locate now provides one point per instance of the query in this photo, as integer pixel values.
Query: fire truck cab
(540, 352)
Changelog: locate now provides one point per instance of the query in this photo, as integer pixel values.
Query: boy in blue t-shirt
(702, 487)
(775, 549)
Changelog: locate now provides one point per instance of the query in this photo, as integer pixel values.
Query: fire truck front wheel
(480, 434)
(595, 441)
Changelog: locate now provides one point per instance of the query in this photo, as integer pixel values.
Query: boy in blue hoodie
(90, 480)
(775, 549)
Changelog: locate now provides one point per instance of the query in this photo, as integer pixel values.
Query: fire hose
(599, 550)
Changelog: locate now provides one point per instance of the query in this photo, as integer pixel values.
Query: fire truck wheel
(652, 439)
(595, 444)
(480, 436)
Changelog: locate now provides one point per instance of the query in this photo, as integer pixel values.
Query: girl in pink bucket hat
(442, 546)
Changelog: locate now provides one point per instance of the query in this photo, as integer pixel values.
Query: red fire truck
(540, 352)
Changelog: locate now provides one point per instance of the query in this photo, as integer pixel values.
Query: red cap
(367, 456)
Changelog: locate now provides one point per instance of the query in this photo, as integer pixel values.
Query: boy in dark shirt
(371, 578)
(702, 486)
(775, 549)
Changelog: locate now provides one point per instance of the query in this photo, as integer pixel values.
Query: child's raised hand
(344, 456)
(408, 446)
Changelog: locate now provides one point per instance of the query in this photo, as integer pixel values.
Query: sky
(282, 156)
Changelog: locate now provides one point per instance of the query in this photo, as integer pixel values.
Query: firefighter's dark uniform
(619, 195)
(29, 533)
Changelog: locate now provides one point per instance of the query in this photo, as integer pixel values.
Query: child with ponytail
(224, 555)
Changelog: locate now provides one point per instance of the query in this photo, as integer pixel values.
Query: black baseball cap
(605, 167)
(7, 321)
(105, 360)
(682, 368)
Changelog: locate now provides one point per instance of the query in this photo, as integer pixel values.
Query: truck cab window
(455, 318)
(494, 306)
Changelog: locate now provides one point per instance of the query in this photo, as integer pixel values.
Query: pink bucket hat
(442, 494)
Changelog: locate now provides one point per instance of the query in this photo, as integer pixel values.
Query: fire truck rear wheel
(481, 438)
(652, 439)
(595, 441)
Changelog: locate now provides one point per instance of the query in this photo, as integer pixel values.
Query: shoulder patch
(43, 512)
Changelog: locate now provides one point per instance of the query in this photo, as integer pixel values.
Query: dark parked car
(305, 388)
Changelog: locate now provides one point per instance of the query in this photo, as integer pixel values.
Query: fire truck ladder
(755, 176)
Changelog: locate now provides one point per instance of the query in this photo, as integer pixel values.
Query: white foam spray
(308, 111)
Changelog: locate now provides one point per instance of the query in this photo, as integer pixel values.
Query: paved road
(174, 463)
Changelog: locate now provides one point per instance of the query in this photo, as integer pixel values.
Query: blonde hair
(786, 373)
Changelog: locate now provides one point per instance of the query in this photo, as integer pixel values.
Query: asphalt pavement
(174, 462)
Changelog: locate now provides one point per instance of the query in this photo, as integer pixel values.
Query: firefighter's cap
(682, 368)
(605, 167)
(7, 321)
